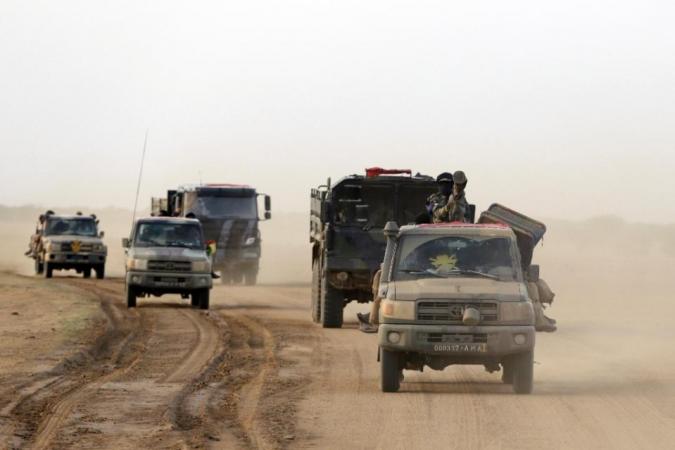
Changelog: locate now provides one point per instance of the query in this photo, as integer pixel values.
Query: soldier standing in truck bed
(457, 207)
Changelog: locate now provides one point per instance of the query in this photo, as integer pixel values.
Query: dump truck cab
(167, 255)
(229, 215)
(455, 294)
(346, 223)
(70, 242)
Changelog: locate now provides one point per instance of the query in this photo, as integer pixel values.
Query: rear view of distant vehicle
(229, 216)
(65, 242)
(167, 255)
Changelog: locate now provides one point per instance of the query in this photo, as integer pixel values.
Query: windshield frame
(396, 275)
(140, 244)
(200, 208)
(51, 220)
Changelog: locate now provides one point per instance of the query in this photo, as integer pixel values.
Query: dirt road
(254, 372)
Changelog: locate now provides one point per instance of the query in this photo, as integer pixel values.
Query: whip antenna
(140, 176)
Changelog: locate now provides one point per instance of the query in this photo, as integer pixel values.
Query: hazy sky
(562, 109)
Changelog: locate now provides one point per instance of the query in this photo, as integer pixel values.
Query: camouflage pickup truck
(67, 242)
(455, 294)
(167, 255)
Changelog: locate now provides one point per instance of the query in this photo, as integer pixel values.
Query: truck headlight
(517, 312)
(137, 264)
(392, 309)
(249, 241)
(201, 266)
(98, 247)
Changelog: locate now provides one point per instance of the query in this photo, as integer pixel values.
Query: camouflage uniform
(454, 210)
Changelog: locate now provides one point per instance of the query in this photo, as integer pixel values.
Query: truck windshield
(423, 256)
(226, 207)
(74, 227)
(161, 234)
(379, 201)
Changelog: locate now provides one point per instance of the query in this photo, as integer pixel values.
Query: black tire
(204, 299)
(251, 277)
(523, 373)
(100, 271)
(195, 299)
(316, 291)
(131, 297)
(390, 367)
(86, 272)
(39, 267)
(48, 270)
(507, 371)
(332, 305)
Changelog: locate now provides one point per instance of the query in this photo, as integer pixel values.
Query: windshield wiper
(473, 272)
(421, 272)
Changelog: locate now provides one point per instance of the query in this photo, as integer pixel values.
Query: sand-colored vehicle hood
(60, 238)
(457, 287)
(168, 253)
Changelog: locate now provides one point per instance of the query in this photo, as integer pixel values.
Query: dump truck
(455, 293)
(345, 232)
(229, 215)
(68, 242)
(167, 255)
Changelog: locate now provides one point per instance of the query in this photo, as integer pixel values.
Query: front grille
(455, 338)
(69, 247)
(445, 311)
(170, 266)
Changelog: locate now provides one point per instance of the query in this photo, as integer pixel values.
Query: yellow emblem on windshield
(75, 246)
(444, 262)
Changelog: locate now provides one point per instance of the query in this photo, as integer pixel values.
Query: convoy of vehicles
(65, 242)
(229, 216)
(167, 255)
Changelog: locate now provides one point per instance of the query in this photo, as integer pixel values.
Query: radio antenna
(140, 176)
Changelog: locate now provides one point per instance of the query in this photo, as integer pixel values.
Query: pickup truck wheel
(100, 271)
(507, 372)
(131, 297)
(204, 299)
(195, 299)
(316, 291)
(390, 366)
(86, 273)
(523, 373)
(39, 267)
(251, 277)
(332, 305)
(48, 270)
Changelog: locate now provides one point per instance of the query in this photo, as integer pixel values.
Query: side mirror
(101, 234)
(268, 215)
(125, 242)
(268, 203)
(362, 213)
(533, 273)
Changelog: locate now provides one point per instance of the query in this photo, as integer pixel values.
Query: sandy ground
(80, 370)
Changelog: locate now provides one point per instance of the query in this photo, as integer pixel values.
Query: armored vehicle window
(376, 202)
(75, 227)
(411, 203)
(215, 207)
(432, 256)
(166, 234)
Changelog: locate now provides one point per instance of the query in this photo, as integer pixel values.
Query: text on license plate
(469, 348)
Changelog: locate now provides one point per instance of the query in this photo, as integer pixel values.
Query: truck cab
(346, 223)
(229, 215)
(455, 294)
(70, 242)
(167, 255)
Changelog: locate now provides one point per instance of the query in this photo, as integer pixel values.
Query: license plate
(461, 348)
(169, 282)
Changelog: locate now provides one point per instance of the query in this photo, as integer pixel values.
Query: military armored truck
(345, 230)
(455, 294)
(65, 242)
(229, 216)
(167, 255)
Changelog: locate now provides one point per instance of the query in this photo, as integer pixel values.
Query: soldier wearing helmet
(456, 208)
(440, 198)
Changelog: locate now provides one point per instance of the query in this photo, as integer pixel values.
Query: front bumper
(458, 340)
(72, 259)
(169, 281)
